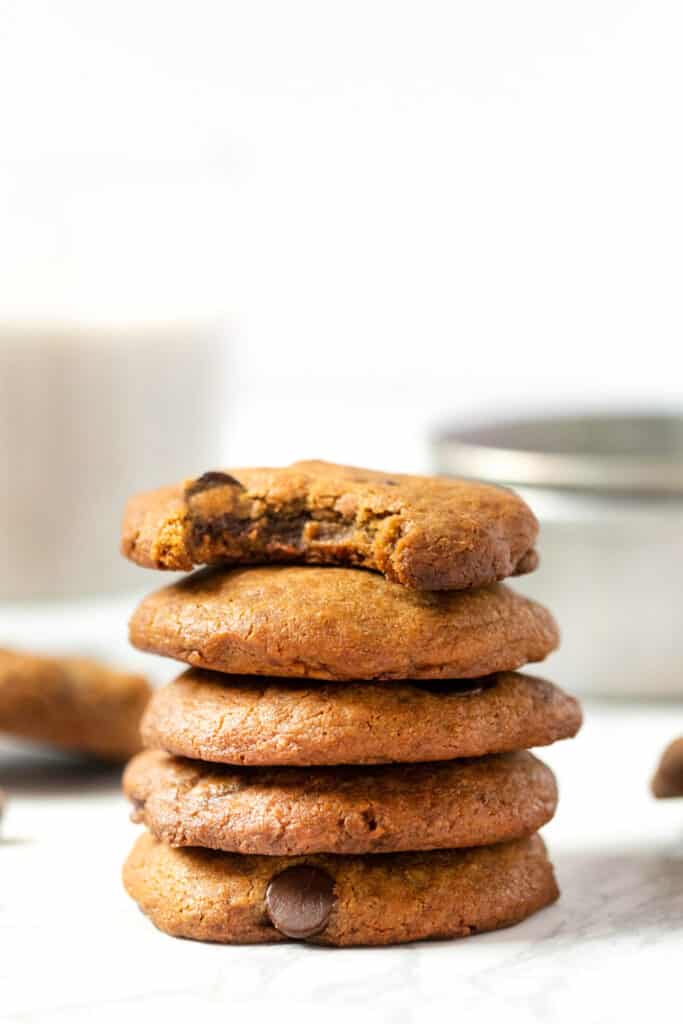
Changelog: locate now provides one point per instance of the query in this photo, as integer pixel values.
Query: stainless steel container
(608, 491)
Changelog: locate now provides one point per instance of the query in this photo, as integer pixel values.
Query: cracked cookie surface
(427, 533)
(376, 900)
(75, 704)
(343, 810)
(255, 721)
(331, 623)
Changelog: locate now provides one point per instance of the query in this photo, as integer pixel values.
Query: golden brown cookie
(255, 721)
(668, 780)
(72, 703)
(339, 624)
(378, 809)
(428, 533)
(339, 901)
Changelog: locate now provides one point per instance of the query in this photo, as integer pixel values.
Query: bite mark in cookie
(427, 533)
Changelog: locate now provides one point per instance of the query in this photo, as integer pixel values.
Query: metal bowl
(608, 490)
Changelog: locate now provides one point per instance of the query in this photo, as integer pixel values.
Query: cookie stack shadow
(347, 760)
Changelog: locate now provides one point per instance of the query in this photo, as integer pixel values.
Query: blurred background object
(76, 705)
(608, 491)
(90, 413)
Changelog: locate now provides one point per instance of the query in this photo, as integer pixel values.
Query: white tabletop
(74, 947)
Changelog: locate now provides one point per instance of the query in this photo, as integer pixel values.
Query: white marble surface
(74, 948)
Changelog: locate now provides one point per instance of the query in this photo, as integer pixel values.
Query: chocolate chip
(207, 482)
(299, 901)
(137, 810)
(668, 780)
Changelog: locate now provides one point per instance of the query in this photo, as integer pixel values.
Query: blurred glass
(88, 415)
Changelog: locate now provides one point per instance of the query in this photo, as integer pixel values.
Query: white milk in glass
(90, 414)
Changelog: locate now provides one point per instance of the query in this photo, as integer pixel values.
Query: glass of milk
(89, 414)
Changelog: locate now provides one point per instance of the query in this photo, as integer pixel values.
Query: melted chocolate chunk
(207, 482)
(299, 901)
(136, 810)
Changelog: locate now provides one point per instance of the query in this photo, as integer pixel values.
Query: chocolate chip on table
(668, 780)
(299, 901)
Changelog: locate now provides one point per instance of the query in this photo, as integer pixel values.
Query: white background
(406, 210)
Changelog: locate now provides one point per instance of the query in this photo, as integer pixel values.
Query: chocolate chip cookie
(339, 901)
(378, 809)
(75, 704)
(255, 721)
(668, 780)
(427, 533)
(327, 623)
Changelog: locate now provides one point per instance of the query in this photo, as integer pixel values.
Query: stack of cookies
(346, 762)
